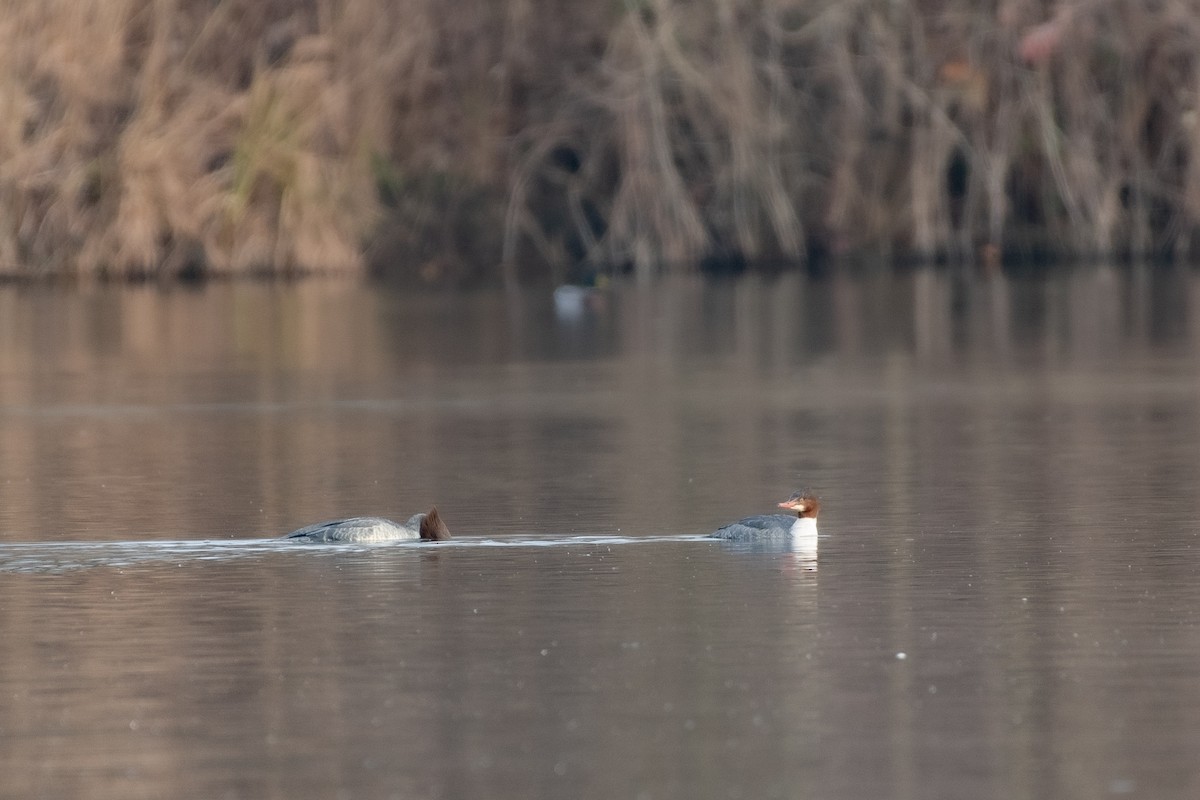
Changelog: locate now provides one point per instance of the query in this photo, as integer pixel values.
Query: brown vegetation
(453, 140)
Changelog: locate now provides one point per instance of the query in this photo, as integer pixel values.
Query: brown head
(805, 504)
(432, 527)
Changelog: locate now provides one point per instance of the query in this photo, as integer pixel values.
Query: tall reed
(921, 130)
(142, 137)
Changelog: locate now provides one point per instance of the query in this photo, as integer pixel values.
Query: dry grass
(152, 136)
(142, 137)
(919, 130)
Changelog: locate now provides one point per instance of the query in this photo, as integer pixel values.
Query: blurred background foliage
(478, 141)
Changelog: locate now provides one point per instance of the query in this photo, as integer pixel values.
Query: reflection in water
(256, 406)
(1009, 469)
(801, 552)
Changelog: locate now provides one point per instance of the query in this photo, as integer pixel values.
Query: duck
(427, 526)
(804, 503)
(574, 300)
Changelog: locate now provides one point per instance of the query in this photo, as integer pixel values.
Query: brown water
(1006, 602)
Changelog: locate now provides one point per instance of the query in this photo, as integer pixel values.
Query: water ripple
(58, 557)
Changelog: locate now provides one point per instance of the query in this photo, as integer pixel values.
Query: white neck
(804, 526)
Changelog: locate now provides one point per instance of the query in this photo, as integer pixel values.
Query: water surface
(1004, 604)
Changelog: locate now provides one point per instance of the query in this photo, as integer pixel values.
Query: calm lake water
(1006, 601)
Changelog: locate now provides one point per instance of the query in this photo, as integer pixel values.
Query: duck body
(765, 527)
(370, 530)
